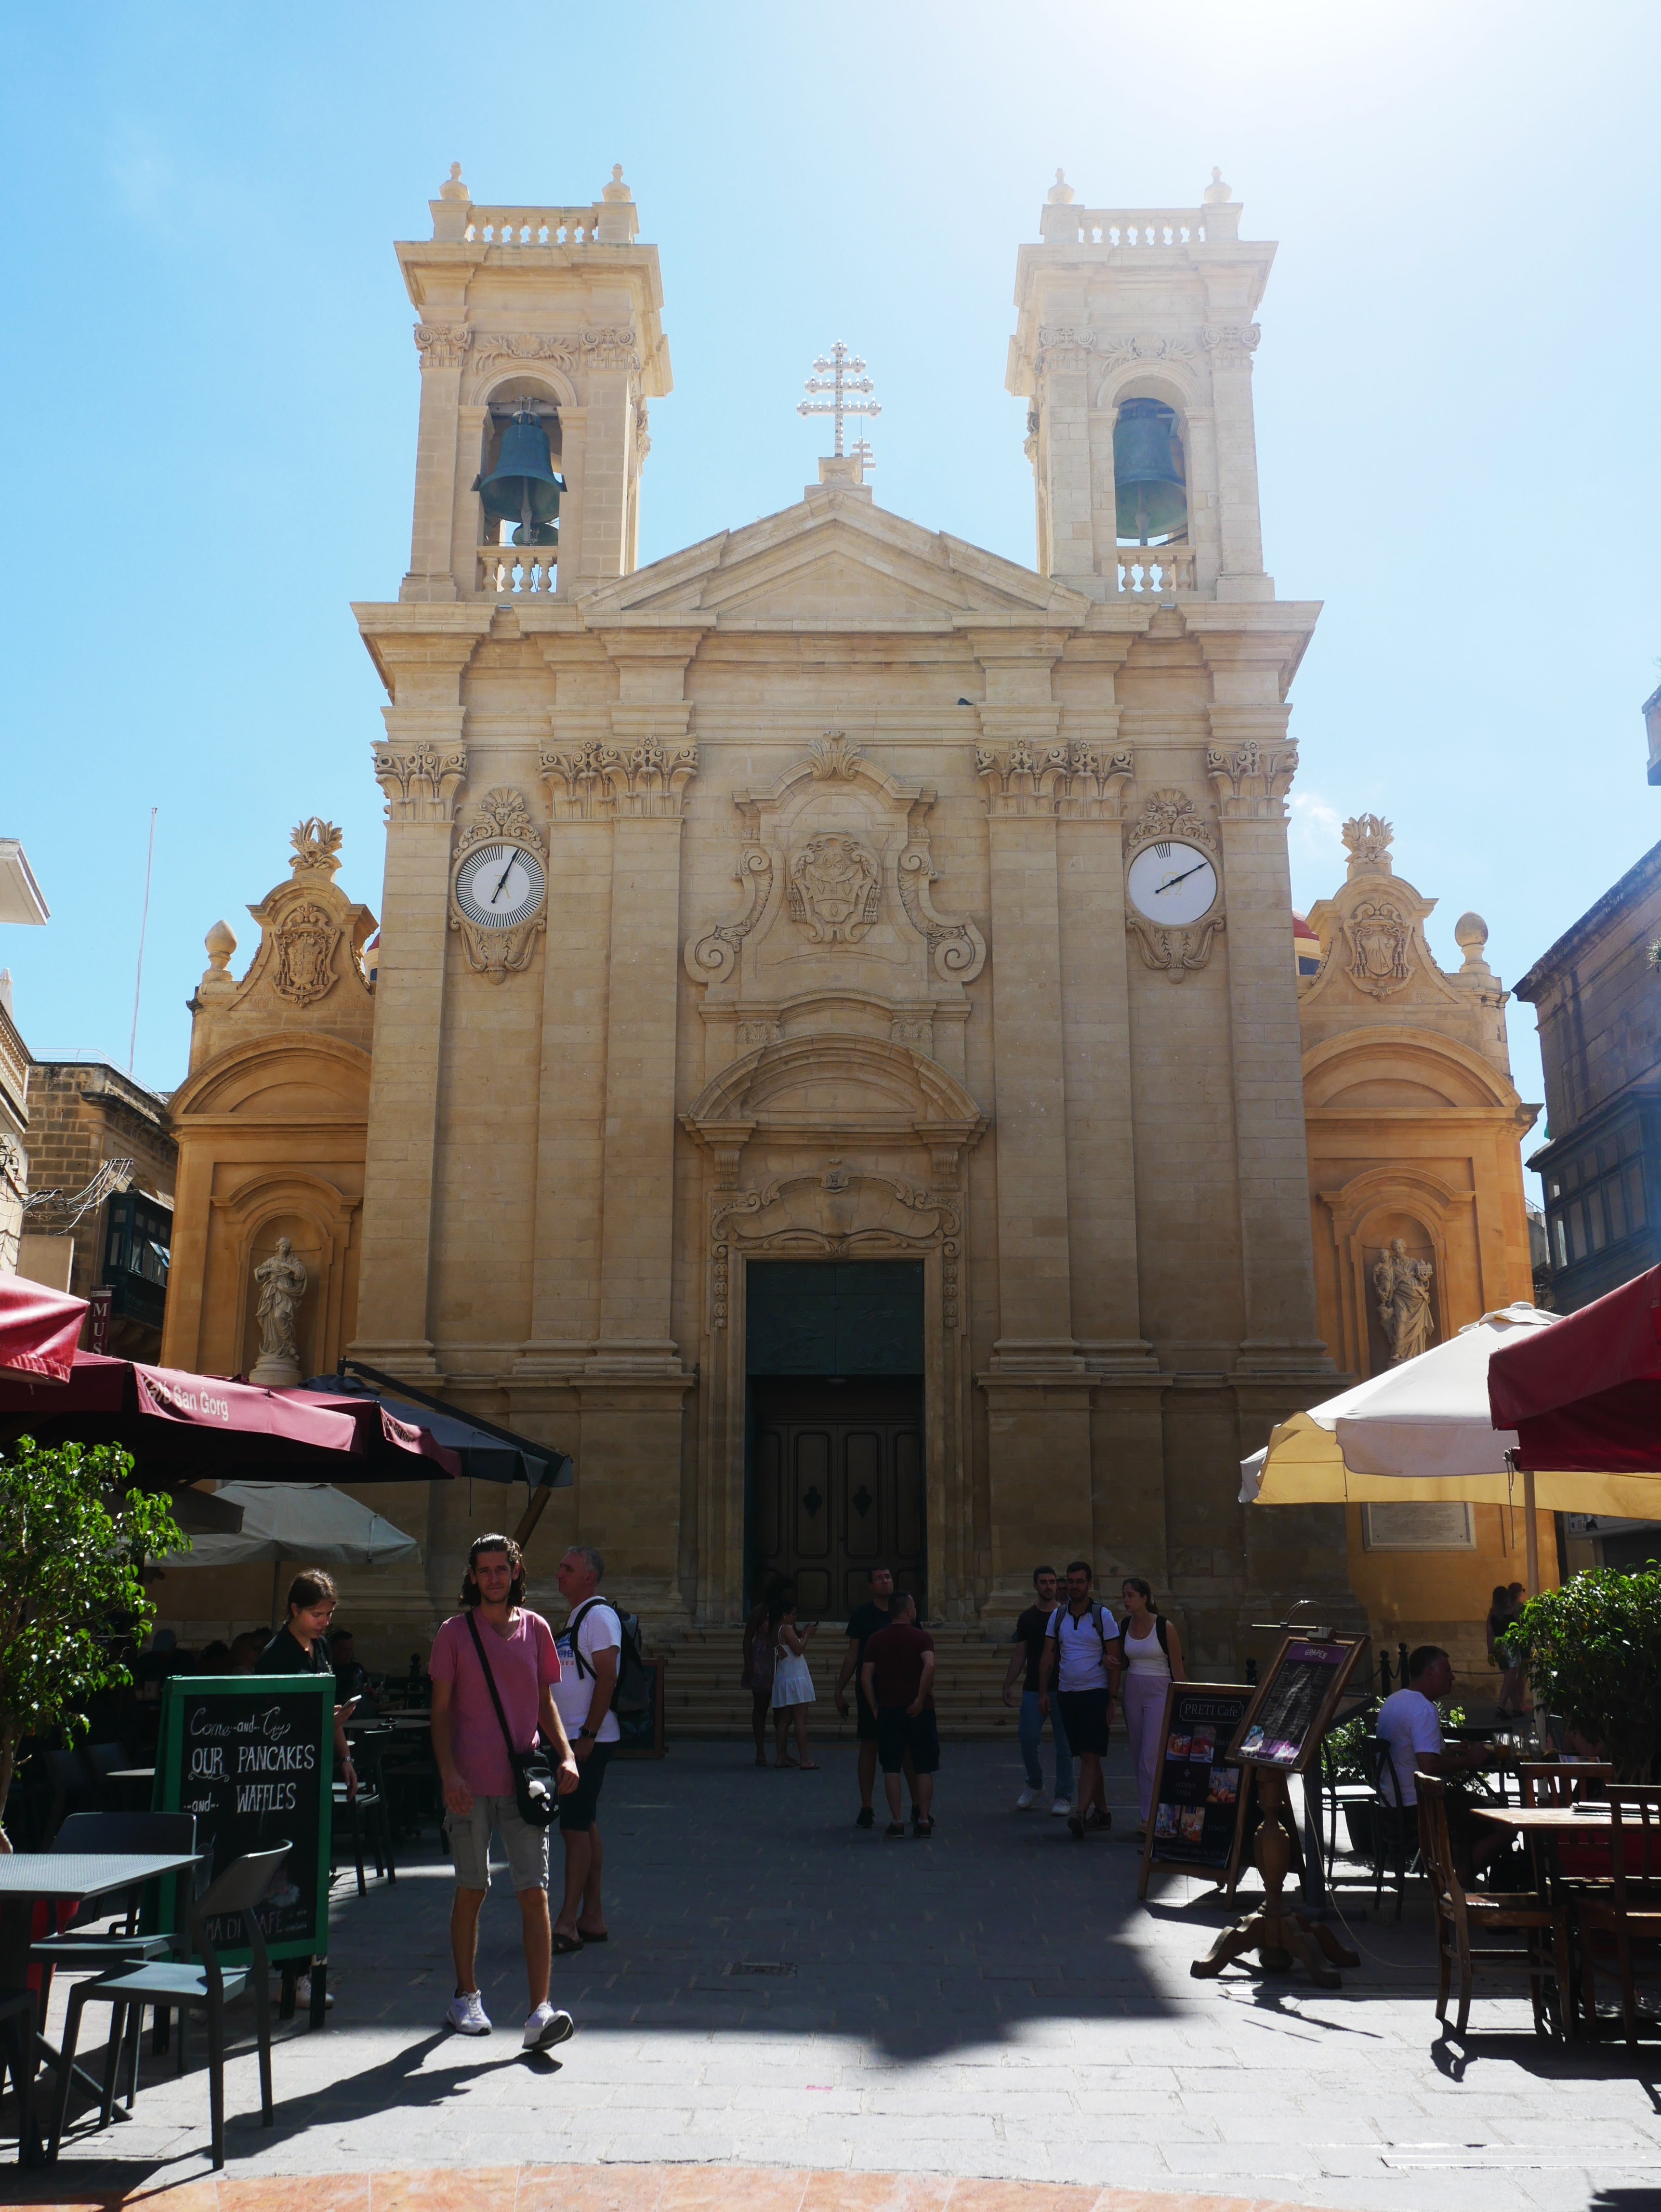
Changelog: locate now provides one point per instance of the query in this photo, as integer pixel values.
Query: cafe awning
(39, 1329)
(1586, 1394)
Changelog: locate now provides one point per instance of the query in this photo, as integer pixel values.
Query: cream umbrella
(1421, 1433)
(303, 1521)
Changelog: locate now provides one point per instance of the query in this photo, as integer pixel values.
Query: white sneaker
(1027, 1799)
(546, 2028)
(1064, 1805)
(467, 2015)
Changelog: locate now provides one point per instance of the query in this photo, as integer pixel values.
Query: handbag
(533, 1778)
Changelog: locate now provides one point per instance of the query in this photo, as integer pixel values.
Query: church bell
(522, 487)
(1149, 486)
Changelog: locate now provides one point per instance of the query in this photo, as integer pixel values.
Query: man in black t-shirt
(1028, 1656)
(863, 1624)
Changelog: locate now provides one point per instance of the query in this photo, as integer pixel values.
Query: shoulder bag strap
(490, 1681)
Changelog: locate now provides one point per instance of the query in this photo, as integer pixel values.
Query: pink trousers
(1141, 1699)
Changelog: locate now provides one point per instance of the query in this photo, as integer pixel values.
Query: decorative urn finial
(1217, 191)
(617, 189)
(1062, 194)
(454, 188)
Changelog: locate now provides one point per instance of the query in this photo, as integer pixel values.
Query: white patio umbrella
(1418, 1434)
(311, 1522)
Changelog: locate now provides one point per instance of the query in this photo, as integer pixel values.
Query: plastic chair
(1461, 1912)
(1628, 1908)
(84, 1949)
(367, 1747)
(17, 2057)
(180, 1984)
(1395, 1825)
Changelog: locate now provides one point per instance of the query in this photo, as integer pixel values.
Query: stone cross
(843, 375)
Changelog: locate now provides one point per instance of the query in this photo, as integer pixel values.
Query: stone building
(19, 901)
(836, 1064)
(101, 1160)
(1597, 996)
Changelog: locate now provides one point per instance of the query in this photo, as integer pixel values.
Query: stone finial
(1368, 840)
(1062, 194)
(216, 978)
(454, 188)
(1470, 934)
(617, 189)
(316, 847)
(1217, 191)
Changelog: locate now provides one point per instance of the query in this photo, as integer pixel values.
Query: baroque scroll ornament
(1170, 814)
(1176, 953)
(836, 888)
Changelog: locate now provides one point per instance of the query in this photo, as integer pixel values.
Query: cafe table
(26, 1877)
(1543, 1827)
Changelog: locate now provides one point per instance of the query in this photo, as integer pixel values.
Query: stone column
(1251, 766)
(1064, 392)
(1239, 529)
(443, 349)
(420, 765)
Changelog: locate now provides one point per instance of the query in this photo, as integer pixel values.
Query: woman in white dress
(792, 1683)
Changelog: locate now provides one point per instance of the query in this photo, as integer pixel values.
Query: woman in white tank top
(1152, 1661)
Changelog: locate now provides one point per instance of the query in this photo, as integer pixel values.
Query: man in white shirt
(1081, 1657)
(590, 1648)
(1410, 1724)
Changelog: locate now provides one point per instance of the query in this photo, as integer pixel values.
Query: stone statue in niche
(835, 887)
(282, 1280)
(1403, 1285)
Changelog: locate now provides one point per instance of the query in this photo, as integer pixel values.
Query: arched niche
(318, 1219)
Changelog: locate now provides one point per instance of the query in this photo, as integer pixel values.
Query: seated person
(244, 1653)
(1409, 1723)
(215, 1658)
(350, 1679)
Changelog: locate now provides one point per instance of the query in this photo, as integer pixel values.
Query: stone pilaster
(443, 348)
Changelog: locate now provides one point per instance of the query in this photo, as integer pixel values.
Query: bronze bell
(1150, 486)
(522, 487)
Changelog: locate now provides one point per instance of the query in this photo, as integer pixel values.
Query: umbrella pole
(277, 1589)
(1531, 1534)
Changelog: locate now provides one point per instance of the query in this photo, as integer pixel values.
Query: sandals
(585, 1936)
(895, 1828)
(563, 1945)
(925, 1826)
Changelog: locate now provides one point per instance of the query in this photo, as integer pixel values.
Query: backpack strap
(1162, 1633)
(576, 1621)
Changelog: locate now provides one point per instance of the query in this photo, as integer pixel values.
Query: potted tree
(73, 1542)
(1592, 1651)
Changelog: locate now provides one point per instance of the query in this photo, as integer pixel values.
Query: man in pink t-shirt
(478, 1774)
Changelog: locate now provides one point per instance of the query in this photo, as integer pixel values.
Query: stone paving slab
(994, 2006)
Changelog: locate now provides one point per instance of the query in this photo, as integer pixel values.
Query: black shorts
(578, 1810)
(899, 1732)
(1084, 1715)
(865, 1718)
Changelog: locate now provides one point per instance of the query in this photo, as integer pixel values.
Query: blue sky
(209, 417)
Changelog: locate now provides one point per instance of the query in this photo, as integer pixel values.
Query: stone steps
(704, 1698)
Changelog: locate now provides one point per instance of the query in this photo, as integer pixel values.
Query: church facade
(871, 1122)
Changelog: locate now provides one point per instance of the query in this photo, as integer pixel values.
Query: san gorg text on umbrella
(183, 1428)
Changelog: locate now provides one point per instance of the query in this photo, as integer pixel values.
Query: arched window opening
(518, 489)
(1150, 475)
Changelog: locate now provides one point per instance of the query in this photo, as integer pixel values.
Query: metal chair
(81, 1947)
(179, 1984)
(1461, 1912)
(1395, 1825)
(368, 1746)
(17, 2057)
(1627, 1910)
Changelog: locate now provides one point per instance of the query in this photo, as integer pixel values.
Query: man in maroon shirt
(898, 1678)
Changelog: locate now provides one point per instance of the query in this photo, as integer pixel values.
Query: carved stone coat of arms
(834, 888)
(306, 939)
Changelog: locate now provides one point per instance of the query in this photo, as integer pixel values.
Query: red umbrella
(39, 1328)
(1584, 1394)
(184, 1428)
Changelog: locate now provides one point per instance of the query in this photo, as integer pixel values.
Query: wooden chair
(1552, 1782)
(181, 1984)
(1627, 1910)
(1461, 1915)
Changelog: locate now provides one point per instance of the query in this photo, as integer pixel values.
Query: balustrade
(1156, 571)
(532, 226)
(505, 569)
(1133, 227)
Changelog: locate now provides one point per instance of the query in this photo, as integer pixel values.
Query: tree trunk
(7, 1768)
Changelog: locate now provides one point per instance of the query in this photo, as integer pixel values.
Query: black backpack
(631, 1696)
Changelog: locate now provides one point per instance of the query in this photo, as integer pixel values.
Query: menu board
(252, 1757)
(1293, 1703)
(1198, 1806)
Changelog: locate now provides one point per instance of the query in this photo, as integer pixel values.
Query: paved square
(783, 1990)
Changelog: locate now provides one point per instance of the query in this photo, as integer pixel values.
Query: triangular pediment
(834, 562)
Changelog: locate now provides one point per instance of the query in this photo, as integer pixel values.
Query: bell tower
(541, 341)
(1134, 351)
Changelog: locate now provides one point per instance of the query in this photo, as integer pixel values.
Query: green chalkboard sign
(252, 1757)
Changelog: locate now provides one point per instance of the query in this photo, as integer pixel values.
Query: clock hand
(1183, 877)
(501, 879)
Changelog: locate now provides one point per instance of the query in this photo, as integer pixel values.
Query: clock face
(499, 886)
(1172, 882)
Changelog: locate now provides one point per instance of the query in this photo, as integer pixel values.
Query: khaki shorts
(526, 1848)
